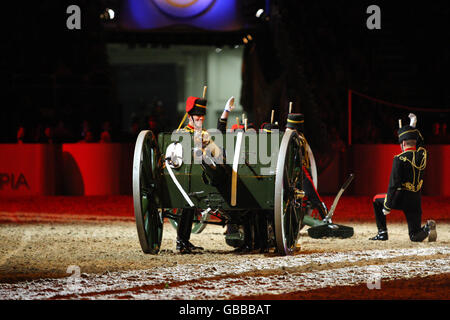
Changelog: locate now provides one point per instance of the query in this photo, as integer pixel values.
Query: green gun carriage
(165, 183)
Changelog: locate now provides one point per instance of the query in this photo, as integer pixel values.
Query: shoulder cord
(420, 168)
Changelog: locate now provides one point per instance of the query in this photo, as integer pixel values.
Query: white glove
(413, 120)
(386, 212)
(229, 106)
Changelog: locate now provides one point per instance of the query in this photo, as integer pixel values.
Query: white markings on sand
(226, 288)
(119, 284)
(22, 242)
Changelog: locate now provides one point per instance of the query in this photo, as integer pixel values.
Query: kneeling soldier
(404, 190)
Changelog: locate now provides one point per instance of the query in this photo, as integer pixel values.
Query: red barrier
(29, 169)
(437, 174)
(330, 179)
(372, 166)
(97, 168)
(106, 169)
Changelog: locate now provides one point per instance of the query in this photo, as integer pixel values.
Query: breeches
(412, 211)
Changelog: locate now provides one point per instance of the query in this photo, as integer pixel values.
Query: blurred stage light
(108, 14)
(111, 13)
(247, 39)
(260, 14)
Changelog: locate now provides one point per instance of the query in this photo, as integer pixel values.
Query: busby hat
(268, 127)
(242, 126)
(236, 126)
(295, 121)
(196, 106)
(408, 133)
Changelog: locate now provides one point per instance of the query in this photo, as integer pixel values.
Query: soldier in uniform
(295, 121)
(196, 110)
(404, 190)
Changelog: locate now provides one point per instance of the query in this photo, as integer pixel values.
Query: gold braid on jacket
(411, 186)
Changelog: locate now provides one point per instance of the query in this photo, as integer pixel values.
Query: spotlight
(247, 39)
(108, 14)
(260, 14)
(111, 13)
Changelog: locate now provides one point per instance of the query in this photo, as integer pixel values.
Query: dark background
(309, 52)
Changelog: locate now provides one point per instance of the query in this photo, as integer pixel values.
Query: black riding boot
(261, 232)
(381, 235)
(184, 232)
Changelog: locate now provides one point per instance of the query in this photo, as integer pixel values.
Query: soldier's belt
(408, 186)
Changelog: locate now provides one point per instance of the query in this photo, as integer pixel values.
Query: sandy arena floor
(103, 260)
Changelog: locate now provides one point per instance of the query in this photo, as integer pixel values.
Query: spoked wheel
(149, 221)
(288, 211)
(197, 227)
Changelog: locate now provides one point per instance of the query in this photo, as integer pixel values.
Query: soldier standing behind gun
(295, 121)
(196, 110)
(405, 183)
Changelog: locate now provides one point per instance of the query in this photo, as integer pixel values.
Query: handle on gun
(352, 175)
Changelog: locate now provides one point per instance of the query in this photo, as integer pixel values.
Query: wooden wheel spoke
(289, 227)
(146, 222)
(287, 178)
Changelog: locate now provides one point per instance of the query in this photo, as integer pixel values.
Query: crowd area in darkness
(324, 51)
(61, 86)
(372, 122)
(364, 62)
(61, 130)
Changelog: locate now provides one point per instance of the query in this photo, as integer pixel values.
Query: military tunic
(404, 191)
